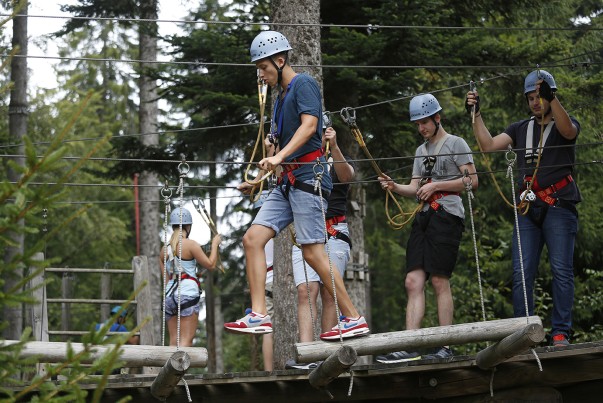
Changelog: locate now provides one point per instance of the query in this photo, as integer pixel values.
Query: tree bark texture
(148, 110)
(17, 126)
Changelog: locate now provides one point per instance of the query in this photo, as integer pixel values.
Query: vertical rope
(166, 201)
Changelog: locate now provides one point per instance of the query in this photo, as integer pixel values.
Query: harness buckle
(528, 195)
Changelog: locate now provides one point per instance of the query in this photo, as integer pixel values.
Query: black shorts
(434, 242)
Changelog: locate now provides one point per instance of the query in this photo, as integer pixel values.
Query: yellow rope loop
(262, 91)
(349, 116)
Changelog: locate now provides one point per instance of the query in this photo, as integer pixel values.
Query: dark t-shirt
(302, 97)
(339, 195)
(557, 160)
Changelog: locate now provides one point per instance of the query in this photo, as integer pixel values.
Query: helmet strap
(437, 126)
(279, 70)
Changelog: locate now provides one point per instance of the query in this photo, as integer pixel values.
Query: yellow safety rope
(349, 116)
(262, 92)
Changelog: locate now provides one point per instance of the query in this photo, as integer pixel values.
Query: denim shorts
(171, 306)
(339, 253)
(303, 208)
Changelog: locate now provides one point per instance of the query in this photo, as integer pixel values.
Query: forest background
(376, 55)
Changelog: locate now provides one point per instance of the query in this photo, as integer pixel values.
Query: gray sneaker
(398, 356)
(291, 364)
(442, 353)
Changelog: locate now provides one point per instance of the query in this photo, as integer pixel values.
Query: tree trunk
(149, 211)
(17, 126)
(305, 41)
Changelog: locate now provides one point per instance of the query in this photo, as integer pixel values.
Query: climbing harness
(294, 164)
(349, 117)
(200, 207)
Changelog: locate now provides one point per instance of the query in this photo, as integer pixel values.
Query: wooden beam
(510, 346)
(337, 363)
(169, 376)
(132, 355)
(418, 338)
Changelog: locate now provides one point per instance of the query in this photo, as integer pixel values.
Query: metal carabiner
(183, 168)
(510, 155)
(164, 191)
(348, 115)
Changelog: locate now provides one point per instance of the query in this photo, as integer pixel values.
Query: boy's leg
(254, 240)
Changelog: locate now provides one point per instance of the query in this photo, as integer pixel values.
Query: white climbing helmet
(187, 217)
(529, 84)
(423, 106)
(268, 43)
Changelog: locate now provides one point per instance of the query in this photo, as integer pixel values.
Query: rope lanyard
(468, 182)
(200, 207)
(262, 93)
(349, 116)
(166, 193)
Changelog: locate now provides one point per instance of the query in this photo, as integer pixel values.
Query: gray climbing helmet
(268, 43)
(187, 217)
(423, 106)
(529, 84)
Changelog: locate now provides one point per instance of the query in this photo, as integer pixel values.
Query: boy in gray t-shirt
(438, 178)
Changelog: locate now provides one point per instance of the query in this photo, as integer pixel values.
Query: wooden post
(144, 303)
(510, 346)
(169, 376)
(105, 293)
(66, 288)
(419, 338)
(132, 355)
(337, 363)
(38, 319)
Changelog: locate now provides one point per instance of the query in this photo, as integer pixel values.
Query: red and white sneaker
(252, 322)
(349, 328)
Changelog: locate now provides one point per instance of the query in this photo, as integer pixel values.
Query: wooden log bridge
(428, 337)
(337, 363)
(132, 355)
(510, 346)
(169, 376)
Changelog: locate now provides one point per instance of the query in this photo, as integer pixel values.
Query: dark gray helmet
(529, 84)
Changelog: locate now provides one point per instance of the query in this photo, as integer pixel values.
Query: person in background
(545, 181)
(184, 289)
(339, 247)
(120, 314)
(442, 167)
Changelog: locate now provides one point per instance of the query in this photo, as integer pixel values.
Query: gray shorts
(303, 208)
(339, 254)
(171, 306)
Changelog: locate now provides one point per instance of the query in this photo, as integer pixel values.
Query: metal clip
(348, 115)
(527, 195)
(183, 168)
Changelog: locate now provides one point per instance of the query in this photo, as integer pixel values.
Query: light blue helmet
(187, 217)
(423, 106)
(268, 43)
(117, 309)
(529, 84)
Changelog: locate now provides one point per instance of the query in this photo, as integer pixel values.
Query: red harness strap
(186, 276)
(335, 220)
(291, 166)
(438, 195)
(544, 194)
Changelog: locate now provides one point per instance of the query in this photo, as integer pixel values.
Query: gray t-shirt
(454, 153)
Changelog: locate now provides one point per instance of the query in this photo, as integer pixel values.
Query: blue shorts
(171, 306)
(339, 253)
(303, 208)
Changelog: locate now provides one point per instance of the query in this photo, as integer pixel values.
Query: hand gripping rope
(262, 92)
(349, 116)
(526, 196)
(166, 193)
(200, 207)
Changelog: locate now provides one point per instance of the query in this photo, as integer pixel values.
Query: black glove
(470, 107)
(546, 92)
